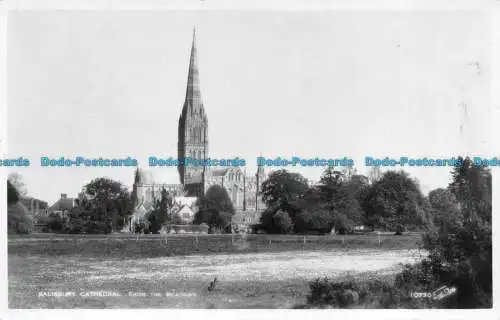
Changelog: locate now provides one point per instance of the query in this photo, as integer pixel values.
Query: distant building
(244, 220)
(186, 228)
(361, 179)
(63, 206)
(185, 214)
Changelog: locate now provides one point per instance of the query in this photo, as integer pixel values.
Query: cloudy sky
(293, 83)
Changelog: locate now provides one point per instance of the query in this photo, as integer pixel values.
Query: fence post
(343, 239)
(378, 233)
(269, 243)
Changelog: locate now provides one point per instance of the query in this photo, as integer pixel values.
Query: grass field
(259, 271)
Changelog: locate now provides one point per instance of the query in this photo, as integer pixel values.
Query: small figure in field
(211, 287)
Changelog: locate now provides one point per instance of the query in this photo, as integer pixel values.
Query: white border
(491, 6)
(3, 151)
(249, 4)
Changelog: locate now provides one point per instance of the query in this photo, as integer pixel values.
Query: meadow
(253, 271)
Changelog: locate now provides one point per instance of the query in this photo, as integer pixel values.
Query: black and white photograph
(248, 159)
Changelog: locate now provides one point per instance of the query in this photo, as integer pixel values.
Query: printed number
(421, 295)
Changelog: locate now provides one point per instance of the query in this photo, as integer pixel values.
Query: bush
(273, 220)
(156, 220)
(342, 223)
(282, 222)
(97, 227)
(23, 227)
(54, 222)
(464, 260)
(351, 293)
(75, 226)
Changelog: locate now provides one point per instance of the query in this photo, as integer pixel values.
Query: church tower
(193, 131)
(260, 177)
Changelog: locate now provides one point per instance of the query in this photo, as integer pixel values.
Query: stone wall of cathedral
(242, 190)
(150, 192)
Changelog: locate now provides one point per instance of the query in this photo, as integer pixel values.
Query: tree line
(340, 201)
(458, 240)
(343, 200)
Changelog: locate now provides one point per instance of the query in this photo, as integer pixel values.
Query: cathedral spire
(193, 94)
(193, 129)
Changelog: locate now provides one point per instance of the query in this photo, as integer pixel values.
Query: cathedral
(195, 180)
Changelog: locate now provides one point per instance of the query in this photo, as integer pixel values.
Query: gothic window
(235, 195)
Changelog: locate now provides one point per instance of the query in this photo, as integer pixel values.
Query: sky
(274, 83)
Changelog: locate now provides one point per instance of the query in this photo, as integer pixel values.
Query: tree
(359, 186)
(276, 221)
(54, 222)
(329, 183)
(106, 201)
(471, 186)
(215, 208)
(445, 209)
(283, 190)
(12, 193)
(159, 215)
(339, 196)
(223, 222)
(374, 174)
(395, 202)
(346, 208)
(18, 219)
(137, 179)
(462, 251)
(282, 222)
(349, 173)
(17, 181)
(314, 218)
